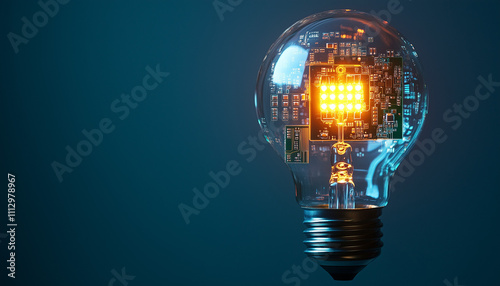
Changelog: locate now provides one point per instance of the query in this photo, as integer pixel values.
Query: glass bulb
(341, 158)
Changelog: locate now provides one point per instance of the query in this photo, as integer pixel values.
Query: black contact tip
(343, 273)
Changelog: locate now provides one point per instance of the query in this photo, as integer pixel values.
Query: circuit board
(362, 93)
(338, 79)
(297, 144)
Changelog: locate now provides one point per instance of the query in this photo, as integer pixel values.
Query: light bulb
(341, 158)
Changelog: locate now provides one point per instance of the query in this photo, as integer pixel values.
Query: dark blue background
(119, 207)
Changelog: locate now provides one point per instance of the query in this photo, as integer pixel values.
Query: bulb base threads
(343, 241)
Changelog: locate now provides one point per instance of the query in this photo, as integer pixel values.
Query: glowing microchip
(336, 106)
(359, 96)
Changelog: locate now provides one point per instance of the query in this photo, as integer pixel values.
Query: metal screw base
(343, 241)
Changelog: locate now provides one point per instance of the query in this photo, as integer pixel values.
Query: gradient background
(119, 207)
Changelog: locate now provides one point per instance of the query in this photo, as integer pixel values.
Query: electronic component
(297, 144)
(357, 92)
(348, 79)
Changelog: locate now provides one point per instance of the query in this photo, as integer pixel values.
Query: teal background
(119, 207)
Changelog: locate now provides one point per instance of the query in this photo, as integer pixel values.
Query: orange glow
(340, 98)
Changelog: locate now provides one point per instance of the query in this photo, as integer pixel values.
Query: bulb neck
(343, 241)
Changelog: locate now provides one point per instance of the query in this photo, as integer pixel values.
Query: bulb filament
(341, 183)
